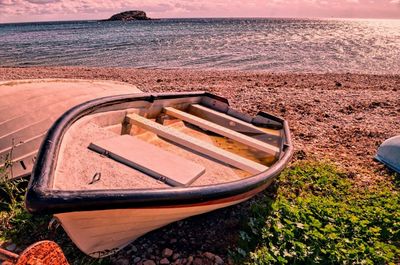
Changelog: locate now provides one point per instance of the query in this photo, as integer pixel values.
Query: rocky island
(129, 16)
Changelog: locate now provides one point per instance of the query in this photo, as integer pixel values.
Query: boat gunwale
(40, 198)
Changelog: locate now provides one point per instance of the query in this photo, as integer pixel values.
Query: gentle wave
(285, 45)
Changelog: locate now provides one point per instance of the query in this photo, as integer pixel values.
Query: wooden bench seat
(150, 159)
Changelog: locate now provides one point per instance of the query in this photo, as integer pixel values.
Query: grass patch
(313, 214)
(21, 228)
(316, 215)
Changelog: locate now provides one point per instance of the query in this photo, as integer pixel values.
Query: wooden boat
(29, 107)
(113, 169)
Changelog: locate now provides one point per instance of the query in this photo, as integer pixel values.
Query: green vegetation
(316, 214)
(23, 229)
(313, 214)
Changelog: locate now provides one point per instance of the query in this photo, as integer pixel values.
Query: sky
(48, 10)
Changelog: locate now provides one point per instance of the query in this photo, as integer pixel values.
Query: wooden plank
(197, 145)
(265, 147)
(223, 119)
(150, 159)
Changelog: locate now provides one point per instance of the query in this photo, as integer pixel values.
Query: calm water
(366, 46)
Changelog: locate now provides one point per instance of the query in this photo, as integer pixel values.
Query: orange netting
(42, 253)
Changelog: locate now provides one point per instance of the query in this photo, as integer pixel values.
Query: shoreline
(189, 69)
(331, 116)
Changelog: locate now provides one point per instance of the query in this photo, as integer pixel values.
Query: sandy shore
(339, 117)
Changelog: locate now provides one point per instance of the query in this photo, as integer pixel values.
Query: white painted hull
(102, 233)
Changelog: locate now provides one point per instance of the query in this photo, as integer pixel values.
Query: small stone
(164, 261)
(134, 248)
(149, 262)
(11, 247)
(167, 252)
(198, 261)
(122, 262)
(18, 250)
(209, 255)
(338, 84)
(178, 262)
(218, 260)
(175, 256)
(136, 259)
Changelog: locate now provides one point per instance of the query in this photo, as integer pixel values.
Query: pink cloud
(42, 10)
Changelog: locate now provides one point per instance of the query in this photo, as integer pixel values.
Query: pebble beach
(341, 118)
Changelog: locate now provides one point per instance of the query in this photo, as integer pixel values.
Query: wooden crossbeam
(257, 144)
(197, 145)
(226, 120)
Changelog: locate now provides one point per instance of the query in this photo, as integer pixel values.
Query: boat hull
(389, 153)
(29, 107)
(102, 233)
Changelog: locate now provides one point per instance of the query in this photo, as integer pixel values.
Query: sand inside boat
(77, 165)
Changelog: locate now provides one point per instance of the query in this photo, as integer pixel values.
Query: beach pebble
(167, 252)
(175, 256)
(198, 261)
(134, 248)
(179, 262)
(218, 260)
(149, 262)
(122, 262)
(11, 247)
(164, 261)
(209, 255)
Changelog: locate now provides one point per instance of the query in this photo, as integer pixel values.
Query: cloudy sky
(45, 10)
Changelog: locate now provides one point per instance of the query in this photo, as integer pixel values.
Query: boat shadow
(390, 174)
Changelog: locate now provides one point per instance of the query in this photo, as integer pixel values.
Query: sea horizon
(299, 45)
(217, 18)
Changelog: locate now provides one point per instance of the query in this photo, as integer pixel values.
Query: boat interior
(175, 142)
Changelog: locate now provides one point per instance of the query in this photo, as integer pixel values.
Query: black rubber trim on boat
(41, 199)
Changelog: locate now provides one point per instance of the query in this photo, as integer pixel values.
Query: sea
(261, 44)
